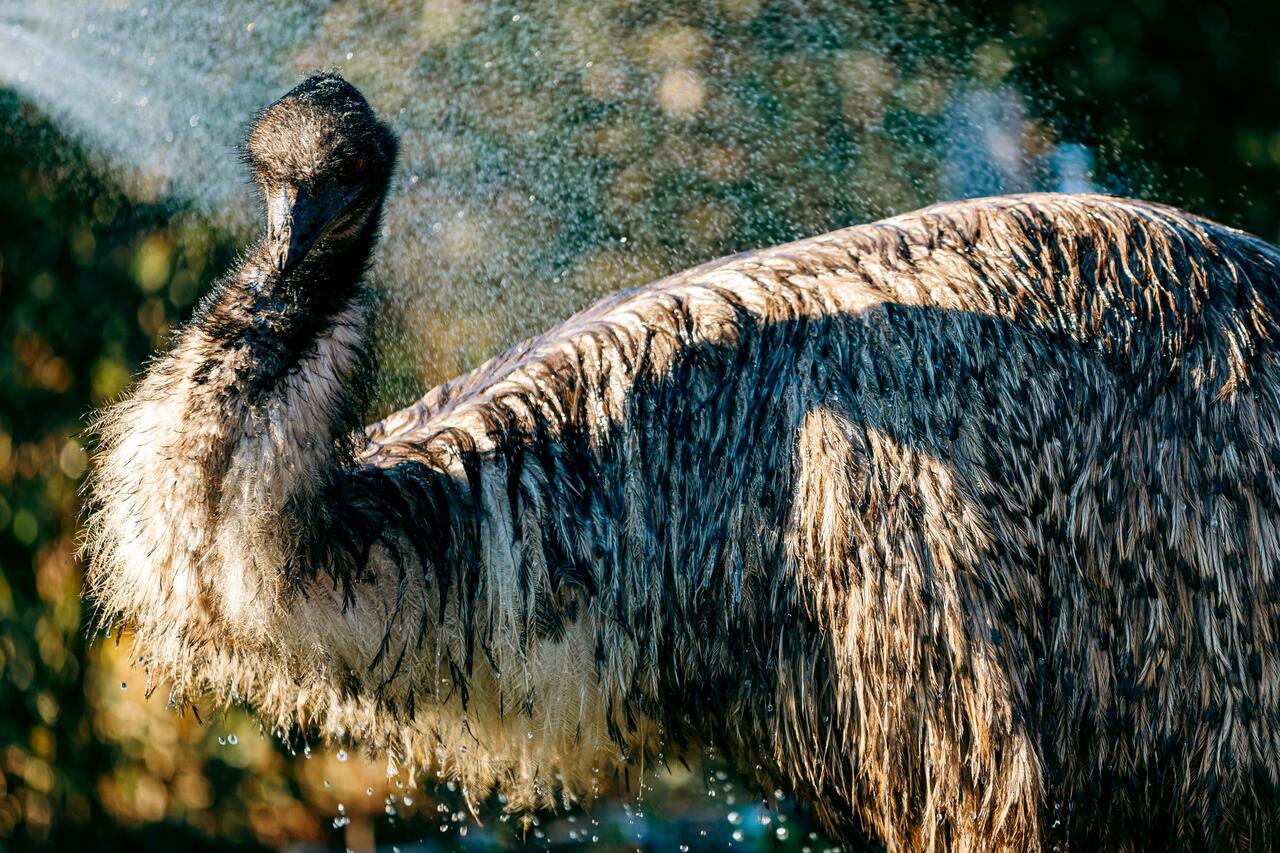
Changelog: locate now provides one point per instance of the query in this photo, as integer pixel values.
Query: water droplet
(735, 818)
(737, 835)
(368, 792)
(124, 686)
(328, 784)
(233, 740)
(194, 120)
(342, 755)
(781, 833)
(408, 801)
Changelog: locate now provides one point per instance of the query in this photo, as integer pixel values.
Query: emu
(962, 526)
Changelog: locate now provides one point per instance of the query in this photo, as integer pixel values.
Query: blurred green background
(1170, 100)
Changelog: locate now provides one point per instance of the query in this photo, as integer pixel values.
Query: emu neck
(213, 471)
(266, 320)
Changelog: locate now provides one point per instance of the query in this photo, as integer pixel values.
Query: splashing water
(551, 151)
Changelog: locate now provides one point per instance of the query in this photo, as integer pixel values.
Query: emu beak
(294, 221)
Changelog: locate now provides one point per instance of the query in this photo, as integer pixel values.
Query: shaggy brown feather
(962, 525)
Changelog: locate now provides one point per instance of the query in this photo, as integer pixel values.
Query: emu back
(984, 498)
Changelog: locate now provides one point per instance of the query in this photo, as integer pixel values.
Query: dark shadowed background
(671, 137)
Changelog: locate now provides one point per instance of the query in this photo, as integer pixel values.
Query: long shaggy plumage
(961, 525)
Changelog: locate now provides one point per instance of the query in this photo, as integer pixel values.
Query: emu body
(961, 525)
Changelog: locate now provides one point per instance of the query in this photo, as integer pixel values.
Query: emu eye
(353, 168)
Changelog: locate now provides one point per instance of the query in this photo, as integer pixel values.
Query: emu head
(322, 161)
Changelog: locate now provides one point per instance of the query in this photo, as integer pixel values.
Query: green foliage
(1178, 96)
(89, 284)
